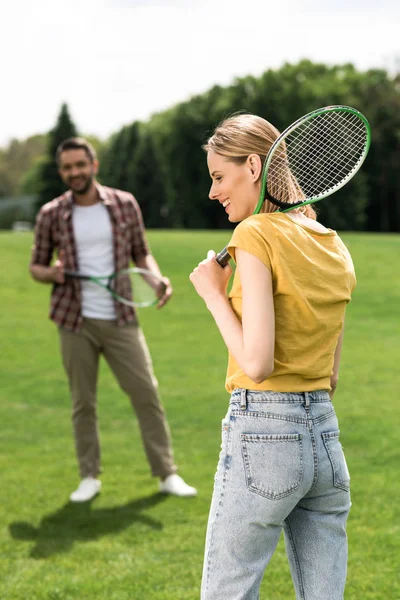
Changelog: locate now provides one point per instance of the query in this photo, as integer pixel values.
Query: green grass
(131, 543)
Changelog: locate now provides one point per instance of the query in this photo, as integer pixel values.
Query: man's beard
(85, 186)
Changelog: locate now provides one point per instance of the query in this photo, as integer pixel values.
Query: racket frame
(264, 195)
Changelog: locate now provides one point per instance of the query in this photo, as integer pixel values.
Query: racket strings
(340, 146)
(136, 287)
(323, 124)
(282, 184)
(317, 156)
(316, 173)
(302, 143)
(320, 155)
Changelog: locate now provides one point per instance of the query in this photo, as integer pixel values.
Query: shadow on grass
(58, 531)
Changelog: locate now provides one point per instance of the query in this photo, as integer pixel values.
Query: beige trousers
(126, 352)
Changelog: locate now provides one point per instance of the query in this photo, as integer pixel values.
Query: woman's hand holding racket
(209, 280)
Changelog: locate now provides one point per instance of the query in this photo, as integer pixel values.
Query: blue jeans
(281, 466)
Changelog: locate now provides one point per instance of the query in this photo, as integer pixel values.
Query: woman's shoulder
(262, 221)
(255, 231)
(268, 225)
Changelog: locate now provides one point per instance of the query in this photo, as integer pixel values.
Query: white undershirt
(94, 245)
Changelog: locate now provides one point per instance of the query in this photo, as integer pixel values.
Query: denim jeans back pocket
(273, 463)
(341, 476)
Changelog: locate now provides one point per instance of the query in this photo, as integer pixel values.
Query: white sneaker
(175, 485)
(88, 488)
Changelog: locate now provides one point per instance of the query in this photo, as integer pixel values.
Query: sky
(117, 61)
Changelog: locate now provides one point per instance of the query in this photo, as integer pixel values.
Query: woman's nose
(212, 194)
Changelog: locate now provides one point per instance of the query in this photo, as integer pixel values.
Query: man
(98, 230)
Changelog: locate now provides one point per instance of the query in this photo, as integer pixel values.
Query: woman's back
(281, 465)
(313, 277)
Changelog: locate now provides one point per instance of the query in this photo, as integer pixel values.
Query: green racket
(133, 287)
(312, 159)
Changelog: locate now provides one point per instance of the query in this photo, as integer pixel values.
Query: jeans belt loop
(243, 399)
(307, 399)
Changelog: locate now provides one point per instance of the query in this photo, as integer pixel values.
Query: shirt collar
(104, 196)
(68, 199)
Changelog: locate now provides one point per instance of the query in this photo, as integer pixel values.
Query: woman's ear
(255, 166)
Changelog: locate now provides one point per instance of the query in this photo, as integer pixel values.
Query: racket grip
(223, 257)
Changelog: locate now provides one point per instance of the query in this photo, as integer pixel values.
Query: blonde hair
(240, 135)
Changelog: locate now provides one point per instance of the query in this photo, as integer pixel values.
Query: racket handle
(75, 275)
(223, 257)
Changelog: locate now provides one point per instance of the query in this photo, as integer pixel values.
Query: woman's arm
(252, 341)
(336, 363)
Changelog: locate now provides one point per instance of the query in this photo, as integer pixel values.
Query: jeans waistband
(244, 396)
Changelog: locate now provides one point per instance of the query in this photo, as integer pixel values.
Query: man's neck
(89, 198)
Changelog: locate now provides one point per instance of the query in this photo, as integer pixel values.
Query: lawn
(131, 543)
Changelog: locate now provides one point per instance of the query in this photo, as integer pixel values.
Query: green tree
(371, 201)
(380, 100)
(117, 158)
(280, 96)
(31, 180)
(146, 181)
(16, 160)
(50, 185)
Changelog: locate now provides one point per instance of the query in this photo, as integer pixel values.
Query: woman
(281, 465)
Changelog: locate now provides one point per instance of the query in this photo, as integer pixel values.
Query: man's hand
(53, 274)
(58, 268)
(164, 292)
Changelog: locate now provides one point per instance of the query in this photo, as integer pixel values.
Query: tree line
(162, 163)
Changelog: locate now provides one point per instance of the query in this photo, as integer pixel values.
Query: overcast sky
(115, 61)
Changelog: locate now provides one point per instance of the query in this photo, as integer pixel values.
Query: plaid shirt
(54, 231)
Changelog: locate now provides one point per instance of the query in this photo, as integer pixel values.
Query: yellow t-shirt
(312, 277)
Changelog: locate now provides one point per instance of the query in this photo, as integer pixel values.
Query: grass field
(131, 543)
